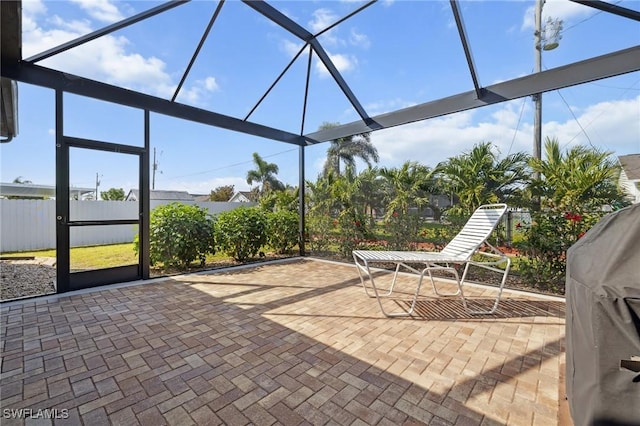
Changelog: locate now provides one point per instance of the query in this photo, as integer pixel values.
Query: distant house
(159, 195)
(241, 197)
(43, 192)
(630, 176)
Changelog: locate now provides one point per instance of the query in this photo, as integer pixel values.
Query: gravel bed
(24, 278)
(35, 277)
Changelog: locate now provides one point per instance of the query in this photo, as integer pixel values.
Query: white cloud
(199, 91)
(73, 28)
(359, 39)
(37, 40)
(210, 84)
(108, 58)
(556, 9)
(344, 63)
(290, 48)
(384, 2)
(101, 10)
(611, 126)
(322, 18)
(381, 107)
(31, 9)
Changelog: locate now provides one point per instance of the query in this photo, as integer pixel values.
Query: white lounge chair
(460, 251)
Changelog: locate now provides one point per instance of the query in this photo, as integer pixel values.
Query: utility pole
(97, 186)
(154, 168)
(537, 98)
(545, 38)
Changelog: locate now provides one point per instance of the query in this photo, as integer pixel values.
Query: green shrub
(403, 231)
(549, 237)
(371, 244)
(353, 229)
(319, 229)
(283, 228)
(438, 234)
(179, 234)
(241, 232)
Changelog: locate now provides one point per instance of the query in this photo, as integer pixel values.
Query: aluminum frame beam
(213, 19)
(279, 18)
(10, 31)
(294, 28)
(611, 8)
(465, 46)
(344, 18)
(326, 60)
(45, 77)
(284, 71)
(609, 65)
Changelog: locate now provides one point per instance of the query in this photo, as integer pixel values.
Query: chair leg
(453, 271)
(505, 273)
(365, 269)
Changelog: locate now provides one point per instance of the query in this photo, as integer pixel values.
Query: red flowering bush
(352, 230)
(548, 239)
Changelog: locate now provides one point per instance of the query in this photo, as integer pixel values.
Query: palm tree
(579, 178)
(370, 194)
(478, 177)
(406, 187)
(347, 149)
(346, 191)
(318, 197)
(264, 174)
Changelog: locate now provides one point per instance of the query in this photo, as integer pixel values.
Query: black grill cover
(603, 322)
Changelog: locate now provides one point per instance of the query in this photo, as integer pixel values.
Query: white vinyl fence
(31, 224)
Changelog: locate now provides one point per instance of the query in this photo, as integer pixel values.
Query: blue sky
(394, 54)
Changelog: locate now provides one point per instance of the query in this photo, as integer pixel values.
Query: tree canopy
(222, 193)
(577, 178)
(264, 174)
(479, 177)
(346, 150)
(113, 194)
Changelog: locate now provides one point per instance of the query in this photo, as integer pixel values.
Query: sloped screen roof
(293, 57)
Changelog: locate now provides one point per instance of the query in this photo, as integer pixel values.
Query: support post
(301, 210)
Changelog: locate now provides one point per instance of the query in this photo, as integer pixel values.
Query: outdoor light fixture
(551, 34)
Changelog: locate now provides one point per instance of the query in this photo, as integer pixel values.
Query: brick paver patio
(288, 343)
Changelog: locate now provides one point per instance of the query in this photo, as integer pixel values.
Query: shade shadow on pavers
(289, 343)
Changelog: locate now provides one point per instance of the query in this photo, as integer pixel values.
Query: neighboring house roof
(201, 197)
(134, 194)
(30, 190)
(631, 166)
(241, 196)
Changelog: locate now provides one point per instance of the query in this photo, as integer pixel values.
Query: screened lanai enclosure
(269, 72)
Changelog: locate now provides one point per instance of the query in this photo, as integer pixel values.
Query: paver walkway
(289, 343)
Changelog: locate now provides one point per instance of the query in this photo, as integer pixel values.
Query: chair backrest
(475, 232)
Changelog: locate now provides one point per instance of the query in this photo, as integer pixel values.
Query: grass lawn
(107, 256)
(93, 257)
